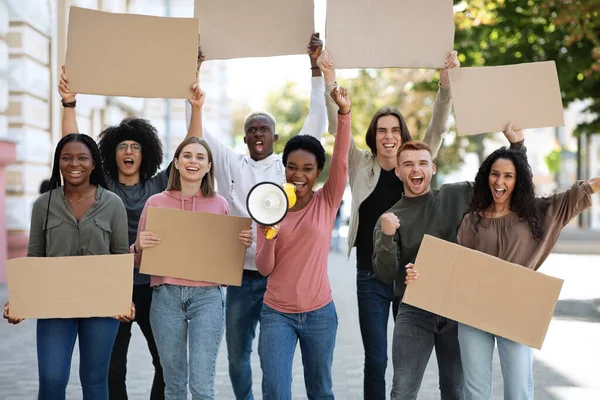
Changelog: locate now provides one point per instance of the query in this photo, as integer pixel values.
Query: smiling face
(129, 157)
(415, 169)
(76, 163)
(192, 163)
(388, 137)
(502, 180)
(260, 136)
(302, 171)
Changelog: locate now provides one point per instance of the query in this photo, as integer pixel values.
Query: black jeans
(416, 333)
(117, 372)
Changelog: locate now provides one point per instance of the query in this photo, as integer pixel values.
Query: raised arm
(385, 248)
(333, 189)
(316, 121)
(441, 109)
(196, 101)
(567, 205)
(69, 117)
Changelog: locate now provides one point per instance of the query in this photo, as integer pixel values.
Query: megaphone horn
(267, 203)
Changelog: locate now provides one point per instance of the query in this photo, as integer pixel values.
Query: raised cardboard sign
(70, 287)
(257, 28)
(131, 55)
(196, 246)
(390, 33)
(483, 291)
(485, 99)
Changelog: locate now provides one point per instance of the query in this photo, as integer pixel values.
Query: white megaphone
(268, 203)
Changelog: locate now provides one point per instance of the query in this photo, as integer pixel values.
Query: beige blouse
(510, 239)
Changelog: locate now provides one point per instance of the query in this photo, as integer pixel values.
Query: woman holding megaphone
(298, 305)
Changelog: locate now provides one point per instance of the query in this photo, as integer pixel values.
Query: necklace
(83, 198)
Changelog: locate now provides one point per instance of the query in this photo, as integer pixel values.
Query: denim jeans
(55, 343)
(516, 361)
(374, 300)
(279, 333)
(416, 333)
(117, 372)
(182, 317)
(244, 304)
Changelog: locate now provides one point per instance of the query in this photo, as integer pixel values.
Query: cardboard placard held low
(390, 33)
(196, 246)
(257, 28)
(131, 55)
(483, 291)
(70, 287)
(485, 99)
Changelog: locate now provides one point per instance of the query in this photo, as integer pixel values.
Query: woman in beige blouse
(508, 221)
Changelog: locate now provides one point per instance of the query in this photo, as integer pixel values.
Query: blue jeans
(516, 361)
(182, 317)
(416, 333)
(55, 343)
(244, 304)
(279, 333)
(374, 300)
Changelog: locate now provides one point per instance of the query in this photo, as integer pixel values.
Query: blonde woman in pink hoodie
(187, 313)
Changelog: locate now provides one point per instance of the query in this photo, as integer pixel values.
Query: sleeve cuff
(318, 83)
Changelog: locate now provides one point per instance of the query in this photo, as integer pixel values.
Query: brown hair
(414, 145)
(208, 181)
(372, 129)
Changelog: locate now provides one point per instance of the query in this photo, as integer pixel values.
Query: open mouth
(389, 145)
(128, 162)
(499, 193)
(416, 180)
(299, 185)
(192, 169)
(259, 146)
(75, 173)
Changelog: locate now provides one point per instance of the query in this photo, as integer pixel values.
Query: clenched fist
(389, 224)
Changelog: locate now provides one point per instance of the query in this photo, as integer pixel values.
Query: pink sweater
(296, 260)
(176, 199)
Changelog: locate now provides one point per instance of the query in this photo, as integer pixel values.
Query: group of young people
(100, 206)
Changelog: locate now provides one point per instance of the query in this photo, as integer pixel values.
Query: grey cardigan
(102, 230)
(363, 168)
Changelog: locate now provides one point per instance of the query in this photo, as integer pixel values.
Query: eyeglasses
(135, 148)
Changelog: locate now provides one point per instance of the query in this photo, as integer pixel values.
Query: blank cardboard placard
(196, 246)
(131, 55)
(257, 28)
(70, 287)
(483, 291)
(485, 99)
(390, 33)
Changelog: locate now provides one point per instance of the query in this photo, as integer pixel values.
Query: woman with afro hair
(507, 220)
(131, 155)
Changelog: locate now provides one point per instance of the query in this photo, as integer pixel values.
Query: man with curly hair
(235, 175)
(397, 238)
(131, 156)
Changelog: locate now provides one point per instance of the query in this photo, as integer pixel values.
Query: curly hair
(308, 143)
(523, 201)
(140, 131)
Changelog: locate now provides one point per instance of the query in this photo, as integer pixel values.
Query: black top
(387, 192)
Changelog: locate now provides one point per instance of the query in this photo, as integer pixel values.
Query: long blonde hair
(208, 181)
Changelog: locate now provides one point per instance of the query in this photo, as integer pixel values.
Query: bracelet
(315, 68)
(71, 104)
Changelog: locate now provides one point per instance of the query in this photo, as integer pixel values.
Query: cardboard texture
(485, 99)
(196, 246)
(483, 291)
(131, 55)
(390, 33)
(70, 287)
(257, 28)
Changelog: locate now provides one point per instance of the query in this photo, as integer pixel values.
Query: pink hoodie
(176, 199)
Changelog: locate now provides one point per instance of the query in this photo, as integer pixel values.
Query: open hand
(314, 47)
(247, 237)
(411, 273)
(450, 63)
(513, 136)
(63, 87)
(341, 98)
(127, 318)
(147, 240)
(11, 320)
